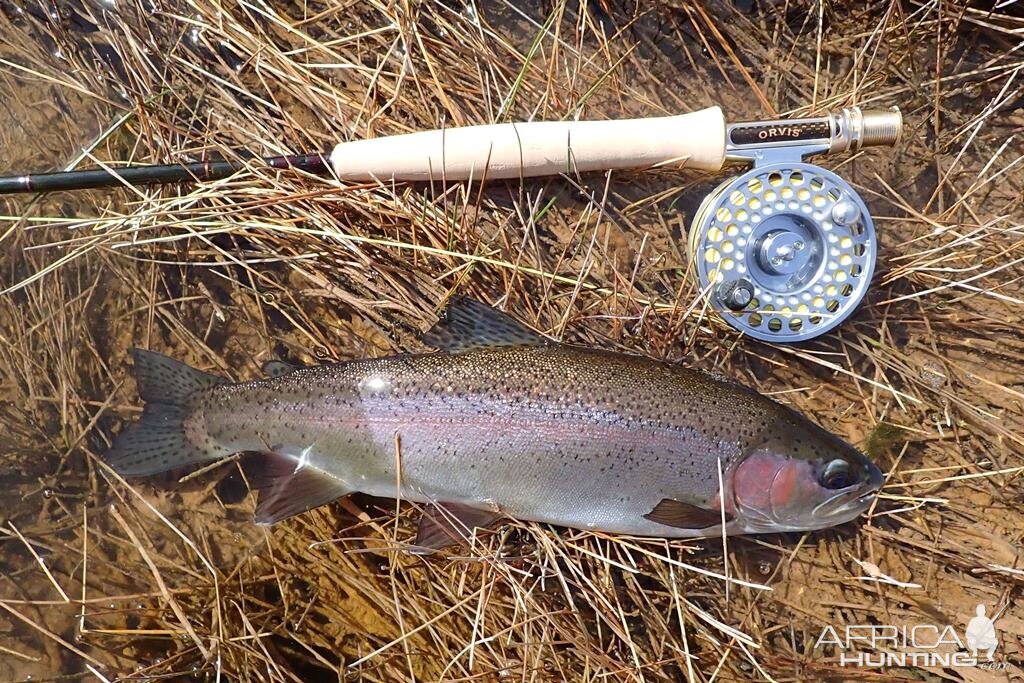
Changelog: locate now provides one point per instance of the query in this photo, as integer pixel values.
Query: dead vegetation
(102, 579)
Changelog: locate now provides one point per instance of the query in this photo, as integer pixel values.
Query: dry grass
(104, 579)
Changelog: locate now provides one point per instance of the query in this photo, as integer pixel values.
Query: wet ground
(178, 583)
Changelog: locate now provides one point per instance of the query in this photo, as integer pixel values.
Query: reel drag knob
(784, 252)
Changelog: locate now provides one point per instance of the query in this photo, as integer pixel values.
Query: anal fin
(288, 487)
(445, 524)
(685, 515)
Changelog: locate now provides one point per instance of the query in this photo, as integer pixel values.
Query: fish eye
(836, 475)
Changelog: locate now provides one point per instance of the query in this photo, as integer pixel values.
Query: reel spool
(785, 252)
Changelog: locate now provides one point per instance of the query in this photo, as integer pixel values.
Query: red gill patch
(753, 481)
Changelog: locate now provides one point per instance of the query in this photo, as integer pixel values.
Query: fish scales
(555, 434)
(507, 422)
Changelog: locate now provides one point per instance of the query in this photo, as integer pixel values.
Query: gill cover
(807, 479)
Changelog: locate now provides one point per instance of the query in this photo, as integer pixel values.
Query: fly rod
(784, 252)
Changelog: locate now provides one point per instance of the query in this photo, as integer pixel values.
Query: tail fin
(157, 442)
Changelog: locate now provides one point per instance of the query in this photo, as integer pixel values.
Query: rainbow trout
(502, 422)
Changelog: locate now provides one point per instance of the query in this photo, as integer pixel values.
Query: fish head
(799, 477)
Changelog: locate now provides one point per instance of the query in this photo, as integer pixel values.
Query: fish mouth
(845, 506)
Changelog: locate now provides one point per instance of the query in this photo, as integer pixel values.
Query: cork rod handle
(515, 150)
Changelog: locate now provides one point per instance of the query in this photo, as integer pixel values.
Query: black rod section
(149, 175)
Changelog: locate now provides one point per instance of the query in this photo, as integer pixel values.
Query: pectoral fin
(685, 515)
(445, 524)
(288, 487)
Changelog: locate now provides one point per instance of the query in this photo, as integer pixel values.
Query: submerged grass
(109, 579)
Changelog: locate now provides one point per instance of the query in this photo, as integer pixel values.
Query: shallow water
(68, 335)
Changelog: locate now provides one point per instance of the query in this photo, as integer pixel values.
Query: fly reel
(786, 251)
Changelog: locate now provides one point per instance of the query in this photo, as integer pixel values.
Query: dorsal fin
(468, 324)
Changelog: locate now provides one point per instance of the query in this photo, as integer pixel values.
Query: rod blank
(151, 175)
